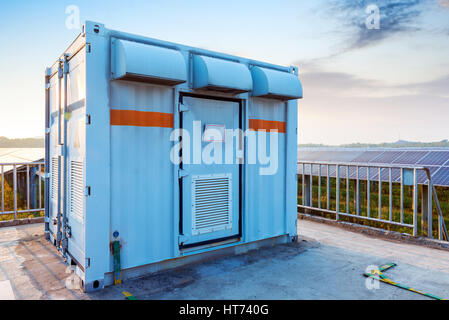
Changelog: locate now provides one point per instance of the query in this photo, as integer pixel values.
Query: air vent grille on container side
(212, 203)
(54, 178)
(76, 189)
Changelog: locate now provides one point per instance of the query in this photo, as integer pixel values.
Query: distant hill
(398, 144)
(22, 143)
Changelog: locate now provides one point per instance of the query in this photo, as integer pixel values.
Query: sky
(361, 84)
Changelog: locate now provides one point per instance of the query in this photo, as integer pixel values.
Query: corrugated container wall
(167, 150)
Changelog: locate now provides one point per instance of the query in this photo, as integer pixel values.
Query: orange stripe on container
(141, 118)
(267, 125)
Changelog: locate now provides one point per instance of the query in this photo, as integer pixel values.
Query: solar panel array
(437, 161)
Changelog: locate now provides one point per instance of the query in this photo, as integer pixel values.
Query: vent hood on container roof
(220, 75)
(147, 63)
(275, 84)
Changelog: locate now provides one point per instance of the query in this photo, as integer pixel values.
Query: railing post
(311, 185)
(347, 189)
(303, 184)
(368, 193)
(402, 196)
(28, 186)
(307, 195)
(426, 211)
(357, 199)
(15, 190)
(415, 203)
(39, 186)
(337, 192)
(319, 186)
(380, 194)
(390, 199)
(328, 188)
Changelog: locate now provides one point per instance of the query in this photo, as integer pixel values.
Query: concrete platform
(326, 263)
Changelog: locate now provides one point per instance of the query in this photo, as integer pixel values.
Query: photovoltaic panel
(315, 169)
(387, 157)
(385, 173)
(339, 156)
(367, 156)
(435, 158)
(315, 156)
(410, 157)
(342, 172)
(363, 173)
(307, 155)
(441, 177)
(347, 156)
(396, 174)
(422, 176)
(328, 155)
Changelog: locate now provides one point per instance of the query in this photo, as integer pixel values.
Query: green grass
(442, 192)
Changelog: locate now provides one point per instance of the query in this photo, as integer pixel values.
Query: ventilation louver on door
(212, 203)
(54, 178)
(76, 190)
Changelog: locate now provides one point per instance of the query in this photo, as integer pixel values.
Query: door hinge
(66, 65)
(182, 173)
(183, 107)
(87, 264)
(87, 118)
(88, 48)
(60, 70)
(87, 191)
(68, 231)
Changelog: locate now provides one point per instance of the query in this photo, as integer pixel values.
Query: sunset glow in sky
(360, 85)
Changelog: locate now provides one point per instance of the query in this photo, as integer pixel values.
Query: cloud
(340, 84)
(395, 17)
(436, 87)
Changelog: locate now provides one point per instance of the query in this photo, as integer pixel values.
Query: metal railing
(335, 172)
(21, 189)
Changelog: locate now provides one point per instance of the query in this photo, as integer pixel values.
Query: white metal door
(211, 179)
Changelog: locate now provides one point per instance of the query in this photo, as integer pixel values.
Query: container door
(75, 124)
(210, 174)
(55, 160)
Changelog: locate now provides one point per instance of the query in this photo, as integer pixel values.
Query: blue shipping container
(170, 151)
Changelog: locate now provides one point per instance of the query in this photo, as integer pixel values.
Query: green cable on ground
(128, 295)
(378, 275)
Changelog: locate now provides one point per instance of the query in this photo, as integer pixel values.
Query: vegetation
(443, 197)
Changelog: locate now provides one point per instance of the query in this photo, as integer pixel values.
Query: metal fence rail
(351, 172)
(21, 189)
